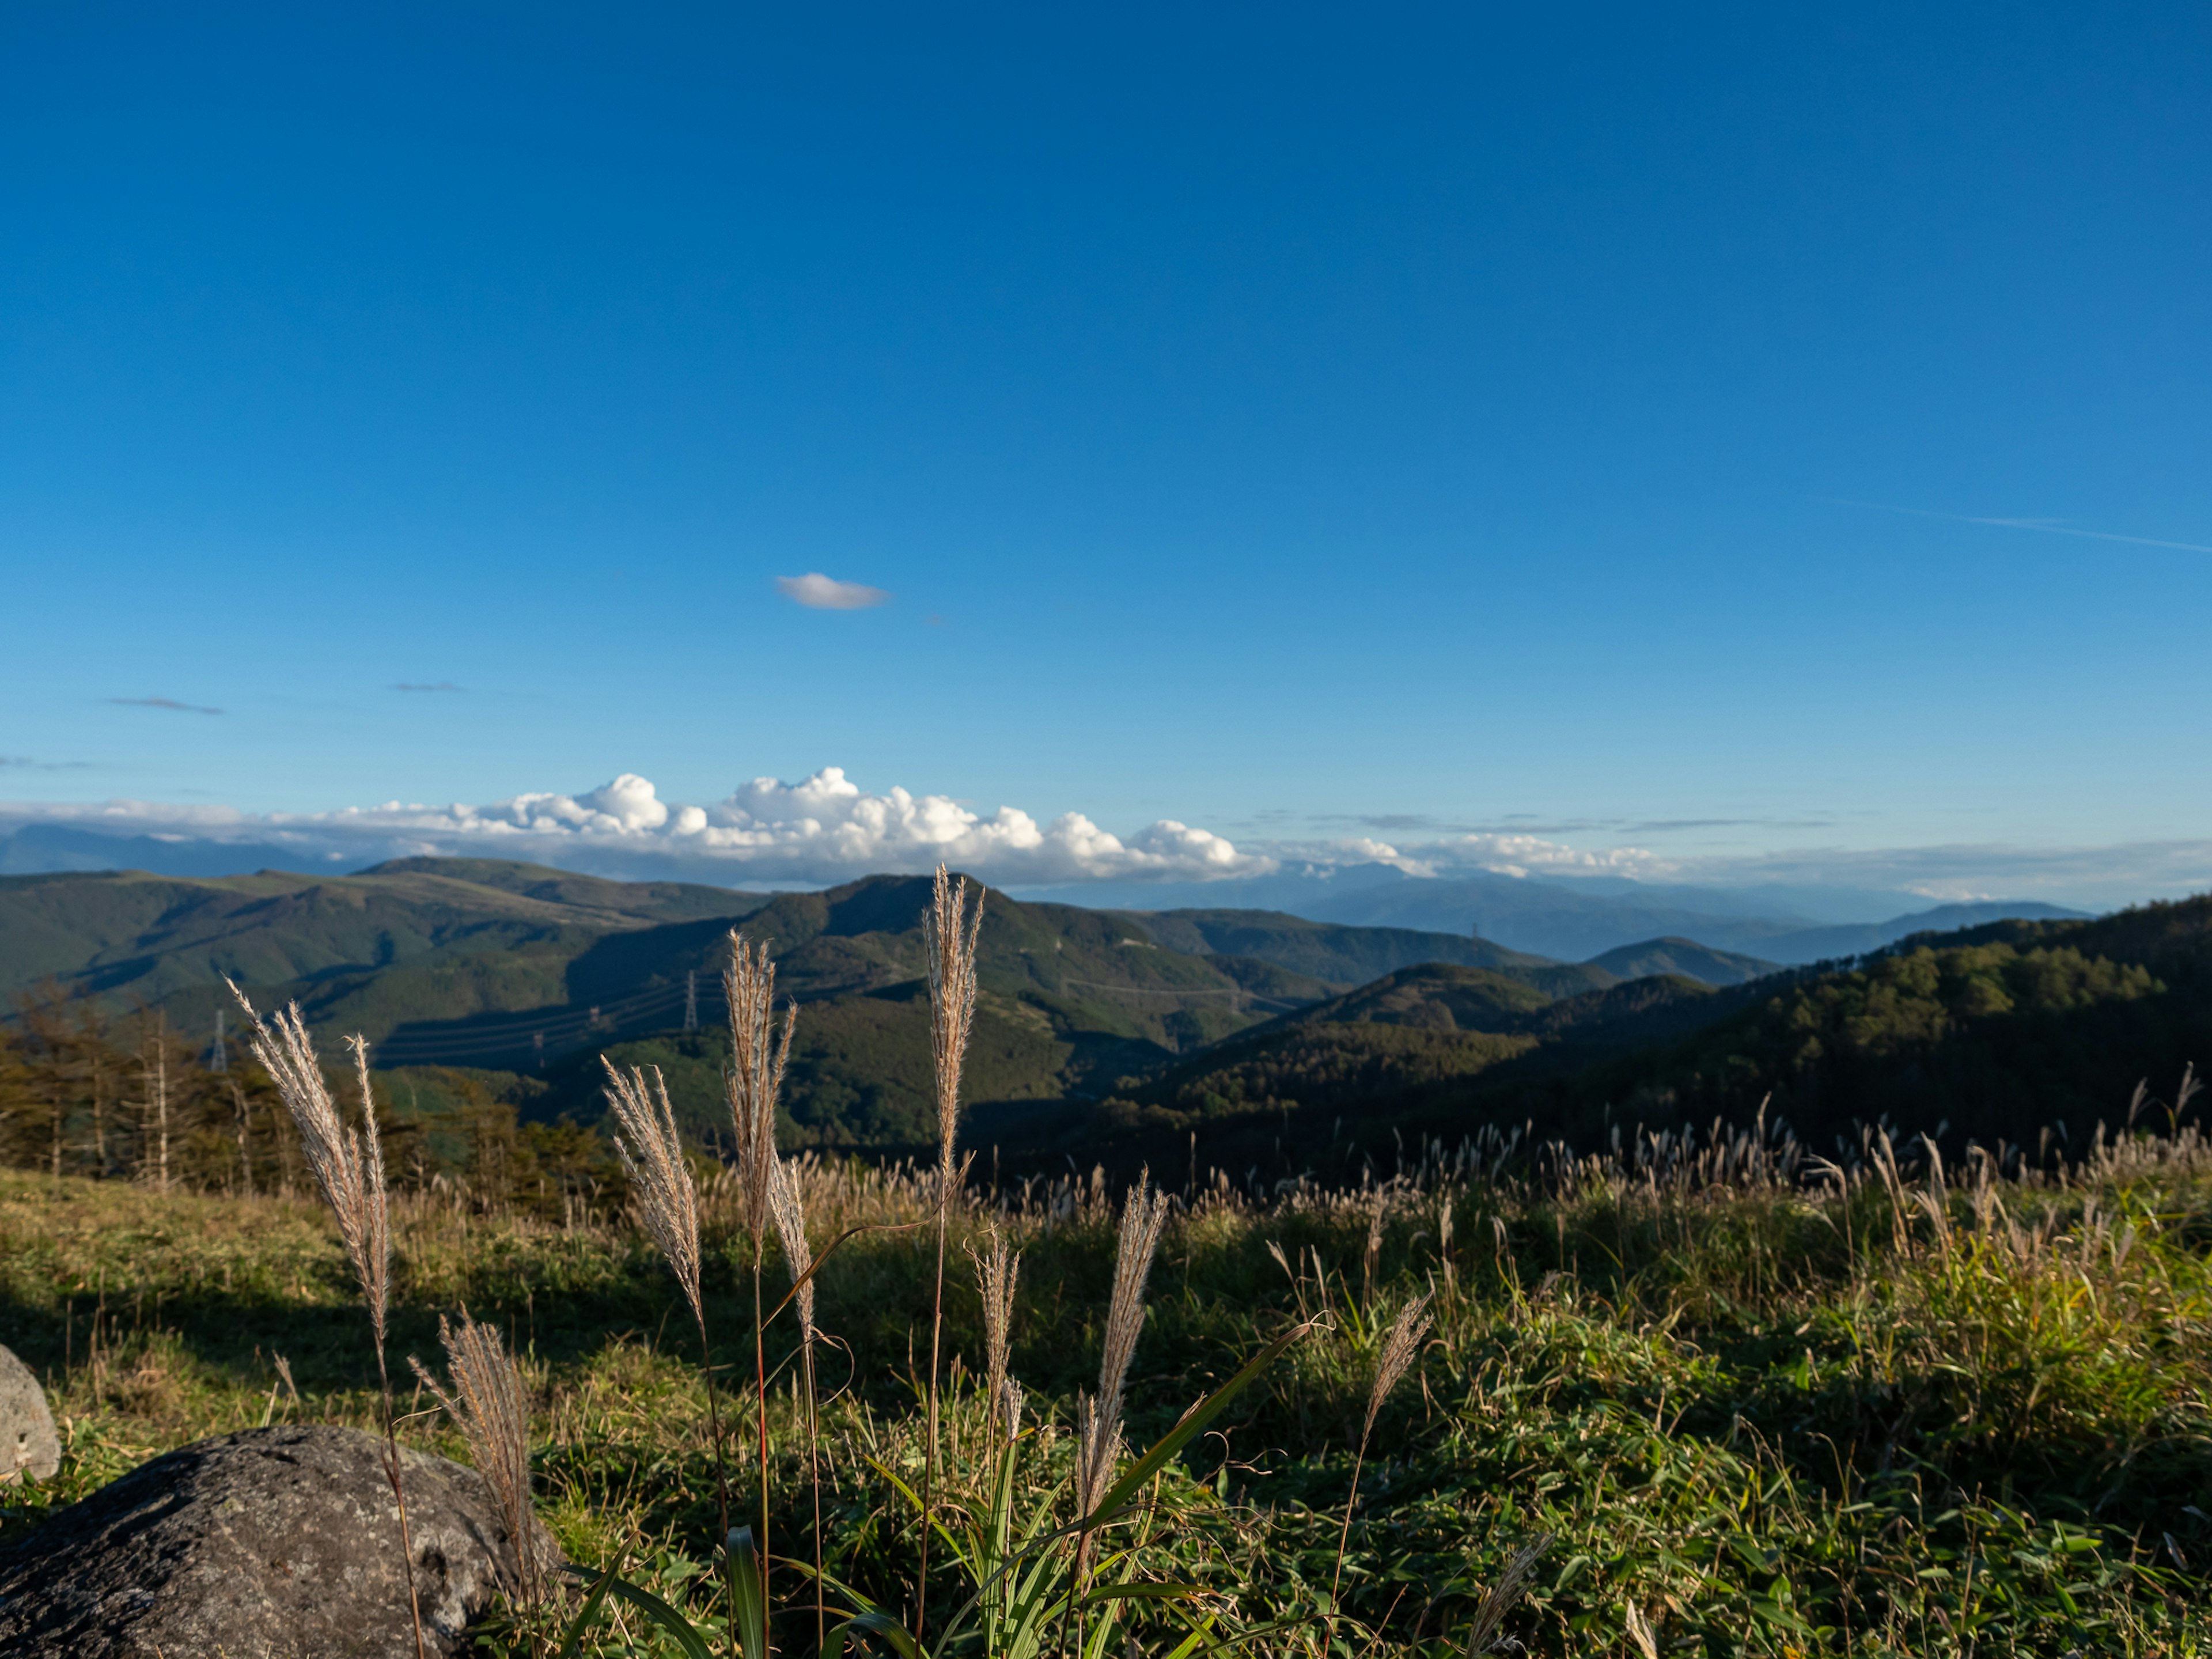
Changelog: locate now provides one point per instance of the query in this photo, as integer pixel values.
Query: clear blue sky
(1268, 417)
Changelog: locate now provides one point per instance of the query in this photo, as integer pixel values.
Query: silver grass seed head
(998, 1270)
(1482, 1635)
(1143, 1215)
(789, 1209)
(1099, 1423)
(489, 1408)
(949, 934)
(1399, 1350)
(1097, 1446)
(348, 1166)
(652, 1151)
(756, 1077)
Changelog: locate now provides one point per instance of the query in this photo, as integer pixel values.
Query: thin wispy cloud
(2043, 526)
(164, 703)
(1528, 824)
(25, 763)
(819, 592)
(414, 686)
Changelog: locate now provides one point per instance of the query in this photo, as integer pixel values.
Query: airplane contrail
(2049, 527)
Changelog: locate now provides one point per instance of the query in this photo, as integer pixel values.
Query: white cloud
(819, 592)
(1502, 854)
(1527, 855)
(823, 829)
(827, 829)
(2091, 877)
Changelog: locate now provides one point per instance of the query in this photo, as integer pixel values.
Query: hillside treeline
(83, 1092)
(1996, 1039)
(2027, 1033)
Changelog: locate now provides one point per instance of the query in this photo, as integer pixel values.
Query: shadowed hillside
(1996, 1033)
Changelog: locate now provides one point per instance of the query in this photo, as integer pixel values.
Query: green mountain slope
(1070, 1000)
(1993, 1032)
(1685, 958)
(517, 969)
(367, 952)
(1349, 955)
(1436, 996)
(1386, 1048)
(1097, 1023)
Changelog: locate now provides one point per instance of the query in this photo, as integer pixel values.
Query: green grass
(1775, 1416)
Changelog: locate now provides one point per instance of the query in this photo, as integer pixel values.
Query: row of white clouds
(826, 828)
(822, 830)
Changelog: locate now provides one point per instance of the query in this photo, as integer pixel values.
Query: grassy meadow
(1755, 1405)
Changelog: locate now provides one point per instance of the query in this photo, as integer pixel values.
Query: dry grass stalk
(348, 1167)
(1641, 1633)
(1400, 1348)
(1482, 1635)
(489, 1408)
(789, 1206)
(755, 1078)
(948, 934)
(789, 1211)
(1098, 1422)
(998, 1269)
(1143, 1216)
(652, 1151)
(1371, 1257)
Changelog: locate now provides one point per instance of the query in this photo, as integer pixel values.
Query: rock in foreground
(273, 1544)
(28, 1444)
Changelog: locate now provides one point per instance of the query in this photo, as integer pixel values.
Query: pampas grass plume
(652, 1153)
(488, 1405)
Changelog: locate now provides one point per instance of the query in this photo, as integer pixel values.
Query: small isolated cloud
(416, 685)
(163, 703)
(819, 592)
(24, 762)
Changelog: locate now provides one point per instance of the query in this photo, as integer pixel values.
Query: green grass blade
(574, 1641)
(1162, 1592)
(1192, 1643)
(936, 1524)
(1192, 1420)
(693, 1644)
(748, 1597)
(873, 1624)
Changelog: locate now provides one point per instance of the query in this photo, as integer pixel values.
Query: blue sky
(1294, 423)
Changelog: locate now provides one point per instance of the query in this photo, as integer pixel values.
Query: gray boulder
(28, 1444)
(273, 1544)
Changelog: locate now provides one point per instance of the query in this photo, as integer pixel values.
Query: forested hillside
(526, 974)
(1998, 1032)
(492, 990)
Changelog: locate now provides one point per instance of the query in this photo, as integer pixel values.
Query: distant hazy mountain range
(1578, 918)
(1565, 919)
